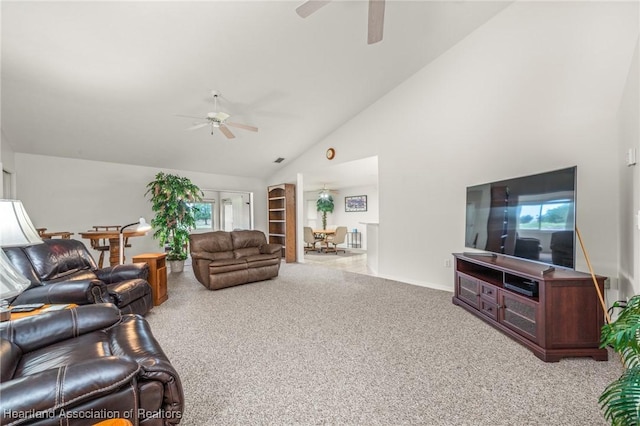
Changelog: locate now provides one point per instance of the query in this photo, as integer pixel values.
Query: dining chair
(310, 240)
(335, 239)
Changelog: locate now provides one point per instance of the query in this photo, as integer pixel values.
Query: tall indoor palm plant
(172, 199)
(324, 205)
(621, 399)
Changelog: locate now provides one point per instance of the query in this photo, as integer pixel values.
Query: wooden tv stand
(563, 320)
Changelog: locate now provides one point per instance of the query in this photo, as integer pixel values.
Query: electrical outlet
(447, 263)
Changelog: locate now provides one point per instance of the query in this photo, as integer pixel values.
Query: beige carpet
(319, 346)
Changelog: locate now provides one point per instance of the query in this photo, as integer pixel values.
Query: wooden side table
(38, 311)
(114, 422)
(157, 274)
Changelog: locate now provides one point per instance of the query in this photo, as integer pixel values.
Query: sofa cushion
(23, 264)
(249, 238)
(86, 347)
(59, 258)
(212, 242)
(246, 252)
(227, 265)
(262, 260)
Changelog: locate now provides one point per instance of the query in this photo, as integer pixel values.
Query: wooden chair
(335, 239)
(42, 233)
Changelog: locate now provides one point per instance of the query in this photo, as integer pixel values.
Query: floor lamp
(16, 230)
(142, 226)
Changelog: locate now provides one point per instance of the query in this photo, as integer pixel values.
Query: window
(204, 215)
(546, 216)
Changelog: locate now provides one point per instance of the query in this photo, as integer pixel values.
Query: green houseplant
(324, 205)
(172, 199)
(621, 398)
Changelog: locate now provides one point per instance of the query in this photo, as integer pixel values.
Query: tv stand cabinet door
(467, 289)
(520, 315)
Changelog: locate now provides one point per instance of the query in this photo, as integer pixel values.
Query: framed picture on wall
(356, 203)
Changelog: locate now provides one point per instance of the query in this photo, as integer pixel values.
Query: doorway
(224, 211)
(354, 179)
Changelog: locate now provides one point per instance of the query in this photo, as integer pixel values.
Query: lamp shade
(143, 226)
(12, 283)
(16, 228)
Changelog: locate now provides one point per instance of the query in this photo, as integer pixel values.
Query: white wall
(7, 162)
(537, 88)
(629, 283)
(65, 194)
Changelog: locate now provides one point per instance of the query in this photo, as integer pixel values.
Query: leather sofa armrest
(64, 387)
(271, 248)
(80, 292)
(37, 331)
(202, 255)
(128, 271)
(154, 364)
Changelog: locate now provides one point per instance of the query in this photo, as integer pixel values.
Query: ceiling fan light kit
(219, 120)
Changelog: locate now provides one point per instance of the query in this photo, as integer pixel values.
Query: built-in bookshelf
(282, 219)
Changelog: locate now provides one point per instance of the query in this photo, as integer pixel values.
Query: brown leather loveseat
(224, 259)
(83, 365)
(63, 271)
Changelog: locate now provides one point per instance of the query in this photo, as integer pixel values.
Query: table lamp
(16, 230)
(143, 226)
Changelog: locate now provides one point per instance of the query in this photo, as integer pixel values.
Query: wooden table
(17, 315)
(114, 241)
(324, 232)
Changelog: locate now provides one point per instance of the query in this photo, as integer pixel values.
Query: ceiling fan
(376, 16)
(325, 192)
(219, 120)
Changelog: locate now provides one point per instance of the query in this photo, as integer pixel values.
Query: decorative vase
(176, 265)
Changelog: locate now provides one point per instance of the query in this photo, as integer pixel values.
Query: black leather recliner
(63, 271)
(83, 365)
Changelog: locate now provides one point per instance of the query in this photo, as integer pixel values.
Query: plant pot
(176, 265)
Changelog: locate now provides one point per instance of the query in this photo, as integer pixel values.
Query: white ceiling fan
(376, 16)
(325, 192)
(219, 120)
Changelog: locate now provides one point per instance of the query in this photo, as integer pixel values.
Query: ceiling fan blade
(308, 7)
(224, 129)
(197, 126)
(191, 116)
(241, 126)
(376, 21)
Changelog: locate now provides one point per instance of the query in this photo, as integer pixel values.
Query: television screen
(530, 217)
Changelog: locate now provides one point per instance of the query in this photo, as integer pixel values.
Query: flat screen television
(530, 217)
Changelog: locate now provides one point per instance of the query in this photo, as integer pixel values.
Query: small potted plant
(172, 199)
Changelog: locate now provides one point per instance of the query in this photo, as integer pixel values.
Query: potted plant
(325, 205)
(621, 398)
(172, 199)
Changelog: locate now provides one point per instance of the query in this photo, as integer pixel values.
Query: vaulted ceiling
(106, 81)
